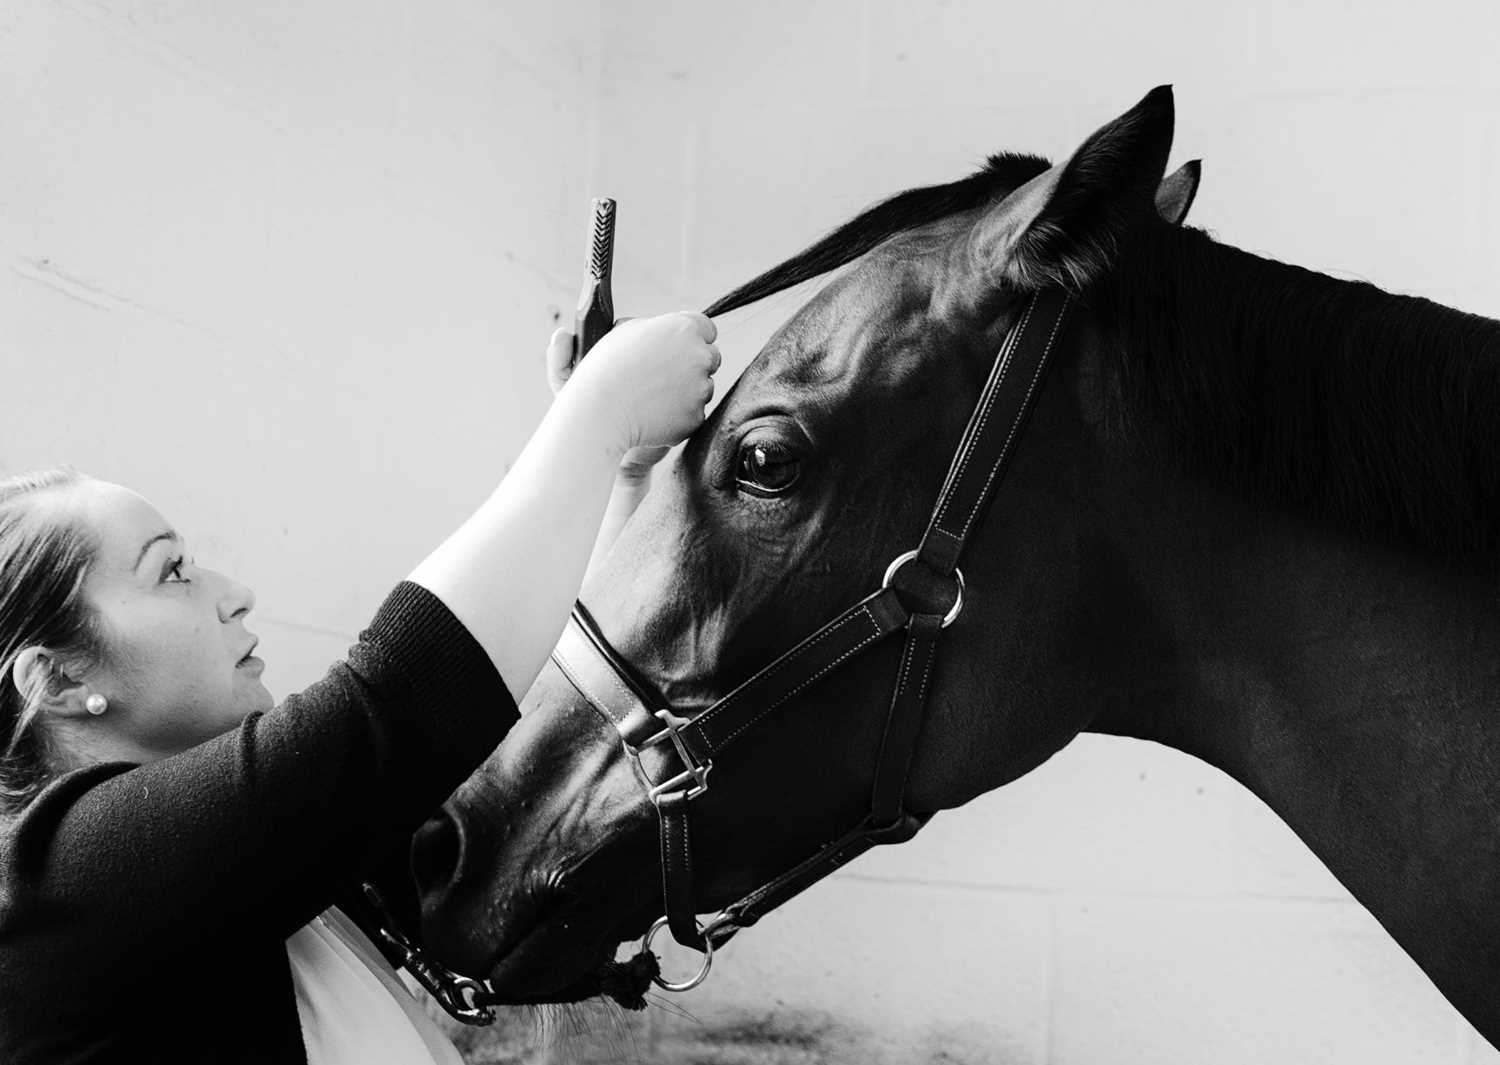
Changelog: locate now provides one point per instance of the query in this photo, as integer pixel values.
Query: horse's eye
(766, 468)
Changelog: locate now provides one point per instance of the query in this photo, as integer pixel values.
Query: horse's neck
(1333, 678)
(1357, 692)
(1354, 686)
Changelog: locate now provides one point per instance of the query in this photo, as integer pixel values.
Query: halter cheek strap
(646, 723)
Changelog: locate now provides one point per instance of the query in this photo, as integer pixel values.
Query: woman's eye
(173, 572)
(766, 469)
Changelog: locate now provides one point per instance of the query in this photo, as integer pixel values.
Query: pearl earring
(96, 704)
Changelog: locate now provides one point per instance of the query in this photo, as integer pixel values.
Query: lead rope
(628, 981)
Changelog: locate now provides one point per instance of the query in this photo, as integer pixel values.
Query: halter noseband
(689, 746)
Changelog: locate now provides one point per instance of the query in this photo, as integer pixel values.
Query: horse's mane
(906, 210)
(1376, 411)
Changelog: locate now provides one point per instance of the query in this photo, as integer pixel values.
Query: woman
(171, 844)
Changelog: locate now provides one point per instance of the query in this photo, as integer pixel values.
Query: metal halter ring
(958, 604)
(686, 985)
(716, 924)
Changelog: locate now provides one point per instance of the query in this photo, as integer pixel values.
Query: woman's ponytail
(44, 558)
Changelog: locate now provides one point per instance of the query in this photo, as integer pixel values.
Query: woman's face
(175, 668)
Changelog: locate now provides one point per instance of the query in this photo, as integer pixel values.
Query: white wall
(287, 268)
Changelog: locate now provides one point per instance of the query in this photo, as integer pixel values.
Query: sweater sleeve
(121, 865)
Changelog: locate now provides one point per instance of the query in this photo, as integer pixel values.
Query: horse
(1251, 512)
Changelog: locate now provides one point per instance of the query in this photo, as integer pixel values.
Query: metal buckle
(458, 994)
(694, 772)
(715, 924)
(903, 559)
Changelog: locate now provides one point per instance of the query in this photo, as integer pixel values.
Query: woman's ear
(1064, 226)
(39, 674)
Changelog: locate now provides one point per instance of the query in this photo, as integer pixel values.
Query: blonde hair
(44, 558)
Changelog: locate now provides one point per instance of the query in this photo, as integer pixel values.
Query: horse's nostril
(437, 854)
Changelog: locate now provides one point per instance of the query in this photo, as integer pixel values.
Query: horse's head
(818, 468)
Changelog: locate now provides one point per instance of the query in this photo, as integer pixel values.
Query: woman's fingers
(706, 328)
(559, 359)
(560, 349)
(650, 377)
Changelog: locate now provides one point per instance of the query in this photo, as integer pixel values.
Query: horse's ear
(1175, 194)
(1064, 225)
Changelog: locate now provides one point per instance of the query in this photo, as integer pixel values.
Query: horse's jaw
(513, 896)
(551, 963)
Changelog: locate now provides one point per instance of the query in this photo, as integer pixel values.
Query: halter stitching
(620, 687)
(1011, 435)
(575, 676)
(921, 700)
(906, 656)
(865, 612)
(706, 720)
(999, 376)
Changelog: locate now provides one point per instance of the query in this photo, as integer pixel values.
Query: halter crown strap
(994, 429)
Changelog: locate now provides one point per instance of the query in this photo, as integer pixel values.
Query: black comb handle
(596, 305)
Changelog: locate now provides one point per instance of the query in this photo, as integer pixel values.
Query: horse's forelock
(901, 213)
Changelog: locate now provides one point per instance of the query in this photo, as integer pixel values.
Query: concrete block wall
(288, 269)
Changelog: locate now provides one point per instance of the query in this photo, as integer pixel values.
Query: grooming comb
(596, 305)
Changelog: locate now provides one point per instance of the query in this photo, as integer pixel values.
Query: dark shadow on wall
(665, 1034)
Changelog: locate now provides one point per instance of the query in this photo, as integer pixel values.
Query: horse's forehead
(843, 334)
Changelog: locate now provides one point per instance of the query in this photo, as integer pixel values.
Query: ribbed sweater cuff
(448, 669)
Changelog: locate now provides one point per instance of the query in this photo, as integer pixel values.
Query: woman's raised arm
(511, 572)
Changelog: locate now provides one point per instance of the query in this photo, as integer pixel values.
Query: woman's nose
(236, 599)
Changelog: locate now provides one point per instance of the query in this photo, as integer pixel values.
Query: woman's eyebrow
(168, 535)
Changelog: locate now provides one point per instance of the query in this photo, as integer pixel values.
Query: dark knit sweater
(144, 909)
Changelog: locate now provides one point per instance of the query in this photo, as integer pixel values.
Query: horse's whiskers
(557, 1025)
(666, 1005)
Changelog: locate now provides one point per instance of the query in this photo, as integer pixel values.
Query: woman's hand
(648, 380)
(636, 466)
(523, 553)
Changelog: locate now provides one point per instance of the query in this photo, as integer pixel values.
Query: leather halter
(645, 722)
